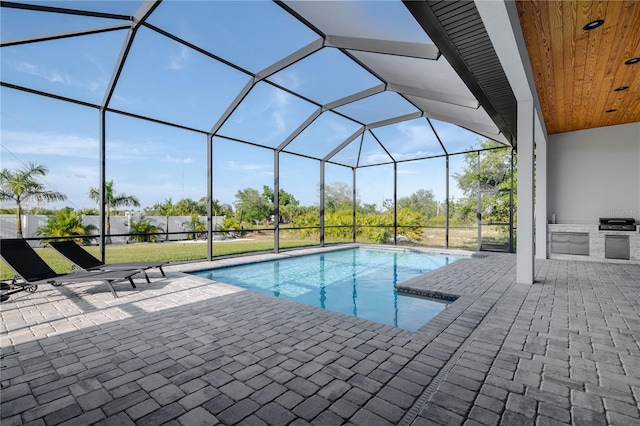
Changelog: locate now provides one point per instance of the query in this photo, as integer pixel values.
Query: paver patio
(187, 351)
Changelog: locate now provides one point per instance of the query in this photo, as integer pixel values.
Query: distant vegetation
(254, 208)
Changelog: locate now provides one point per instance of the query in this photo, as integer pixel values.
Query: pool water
(359, 282)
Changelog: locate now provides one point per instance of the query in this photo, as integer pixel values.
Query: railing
(243, 241)
(304, 236)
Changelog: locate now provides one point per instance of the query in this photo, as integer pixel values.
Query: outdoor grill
(617, 224)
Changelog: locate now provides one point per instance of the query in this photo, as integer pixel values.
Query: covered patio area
(186, 350)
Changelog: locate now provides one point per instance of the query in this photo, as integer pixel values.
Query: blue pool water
(359, 282)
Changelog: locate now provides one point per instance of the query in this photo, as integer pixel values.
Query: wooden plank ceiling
(577, 71)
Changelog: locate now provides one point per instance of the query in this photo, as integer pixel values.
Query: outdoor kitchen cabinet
(616, 247)
(576, 243)
(591, 243)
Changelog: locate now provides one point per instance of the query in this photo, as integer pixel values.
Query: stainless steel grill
(617, 224)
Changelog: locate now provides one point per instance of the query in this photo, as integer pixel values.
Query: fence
(178, 226)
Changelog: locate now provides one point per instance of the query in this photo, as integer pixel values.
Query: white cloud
(24, 67)
(99, 83)
(289, 79)
(97, 86)
(51, 75)
(279, 103)
(72, 146)
(56, 76)
(340, 131)
(414, 154)
(181, 160)
(50, 143)
(414, 136)
(374, 158)
(179, 61)
(412, 141)
(123, 100)
(237, 166)
(89, 173)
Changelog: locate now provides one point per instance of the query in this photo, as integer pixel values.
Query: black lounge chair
(85, 260)
(33, 270)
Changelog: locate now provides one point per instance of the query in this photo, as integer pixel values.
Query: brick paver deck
(186, 351)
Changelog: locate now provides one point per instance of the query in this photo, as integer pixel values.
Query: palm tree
(194, 225)
(66, 223)
(112, 200)
(141, 230)
(22, 185)
(166, 209)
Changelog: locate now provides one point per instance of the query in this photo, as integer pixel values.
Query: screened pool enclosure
(202, 100)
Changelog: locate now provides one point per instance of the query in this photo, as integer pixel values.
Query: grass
(171, 252)
(183, 251)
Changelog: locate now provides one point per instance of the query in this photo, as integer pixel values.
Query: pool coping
(418, 286)
(403, 288)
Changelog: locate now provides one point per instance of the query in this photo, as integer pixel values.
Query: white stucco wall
(594, 173)
(31, 224)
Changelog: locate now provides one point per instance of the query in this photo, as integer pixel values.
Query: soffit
(457, 29)
(577, 71)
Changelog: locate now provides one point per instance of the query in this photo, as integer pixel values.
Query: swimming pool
(358, 281)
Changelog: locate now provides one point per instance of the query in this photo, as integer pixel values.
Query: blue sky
(169, 81)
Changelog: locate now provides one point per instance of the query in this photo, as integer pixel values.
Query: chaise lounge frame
(82, 259)
(30, 268)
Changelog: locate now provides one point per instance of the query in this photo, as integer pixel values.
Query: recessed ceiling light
(611, 110)
(620, 89)
(632, 61)
(593, 24)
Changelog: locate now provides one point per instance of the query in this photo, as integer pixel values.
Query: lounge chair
(85, 260)
(33, 270)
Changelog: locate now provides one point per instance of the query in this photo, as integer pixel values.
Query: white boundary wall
(119, 225)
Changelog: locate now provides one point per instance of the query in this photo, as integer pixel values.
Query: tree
(66, 223)
(112, 200)
(218, 209)
(251, 206)
(143, 230)
(338, 196)
(202, 206)
(195, 226)
(494, 178)
(422, 201)
(287, 203)
(378, 228)
(89, 212)
(291, 211)
(166, 209)
(495, 169)
(366, 208)
(186, 206)
(284, 198)
(22, 185)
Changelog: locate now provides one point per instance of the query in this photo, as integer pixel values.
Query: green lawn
(183, 251)
(170, 252)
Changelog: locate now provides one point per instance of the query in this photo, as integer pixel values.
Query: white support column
(541, 189)
(525, 244)
(503, 26)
